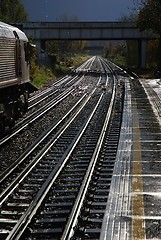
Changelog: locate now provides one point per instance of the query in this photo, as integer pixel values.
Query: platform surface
(133, 209)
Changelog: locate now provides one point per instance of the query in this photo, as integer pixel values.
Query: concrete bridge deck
(84, 30)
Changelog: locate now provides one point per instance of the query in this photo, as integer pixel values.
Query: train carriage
(14, 74)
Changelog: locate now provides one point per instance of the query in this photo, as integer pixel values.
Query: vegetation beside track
(40, 76)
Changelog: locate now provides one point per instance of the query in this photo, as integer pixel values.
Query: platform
(134, 206)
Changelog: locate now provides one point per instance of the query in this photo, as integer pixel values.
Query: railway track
(10, 151)
(42, 102)
(35, 115)
(53, 91)
(58, 188)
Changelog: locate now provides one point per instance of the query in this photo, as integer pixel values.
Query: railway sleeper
(56, 212)
(49, 221)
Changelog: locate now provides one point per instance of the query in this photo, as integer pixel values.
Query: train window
(16, 35)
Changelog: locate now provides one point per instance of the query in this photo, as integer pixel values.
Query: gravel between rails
(13, 149)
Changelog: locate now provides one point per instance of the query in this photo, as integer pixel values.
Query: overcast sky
(83, 10)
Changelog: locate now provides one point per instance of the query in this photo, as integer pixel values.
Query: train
(15, 84)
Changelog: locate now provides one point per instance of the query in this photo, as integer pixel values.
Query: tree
(12, 11)
(149, 19)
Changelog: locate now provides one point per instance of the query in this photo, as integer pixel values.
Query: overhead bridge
(43, 31)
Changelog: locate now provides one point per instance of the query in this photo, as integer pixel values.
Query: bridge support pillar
(142, 53)
(40, 45)
(42, 56)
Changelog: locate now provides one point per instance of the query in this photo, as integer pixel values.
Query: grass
(42, 75)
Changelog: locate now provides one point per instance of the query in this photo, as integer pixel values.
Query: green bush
(41, 75)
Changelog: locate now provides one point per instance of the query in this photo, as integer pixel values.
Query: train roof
(8, 31)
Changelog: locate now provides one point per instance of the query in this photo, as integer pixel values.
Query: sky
(83, 10)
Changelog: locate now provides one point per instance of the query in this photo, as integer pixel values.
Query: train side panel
(14, 75)
(8, 62)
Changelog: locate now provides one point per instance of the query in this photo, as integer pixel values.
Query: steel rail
(36, 203)
(40, 155)
(48, 90)
(18, 128)
(69, 148)
(35, 144)
(69, 230)
(34, 116)
(44, 96)
(57, 83)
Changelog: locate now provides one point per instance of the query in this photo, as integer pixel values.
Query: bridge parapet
(84, 31)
